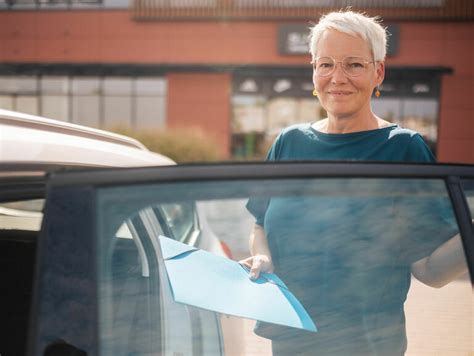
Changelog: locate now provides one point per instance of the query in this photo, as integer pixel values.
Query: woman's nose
(338, 75)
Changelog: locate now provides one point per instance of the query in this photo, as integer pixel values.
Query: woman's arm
(261, 260)
(446, 263)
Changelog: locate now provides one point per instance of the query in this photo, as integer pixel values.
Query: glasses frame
(366, 63)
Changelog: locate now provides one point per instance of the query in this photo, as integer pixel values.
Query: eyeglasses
(352, 66)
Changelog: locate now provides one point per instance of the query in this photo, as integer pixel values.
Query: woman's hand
(261, 260)
(257, 265)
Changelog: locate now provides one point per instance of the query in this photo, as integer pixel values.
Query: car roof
(33, 139)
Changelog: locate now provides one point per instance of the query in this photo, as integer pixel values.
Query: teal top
(351, 273)
(392, 143)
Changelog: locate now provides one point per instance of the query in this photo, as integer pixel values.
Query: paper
(215, 283)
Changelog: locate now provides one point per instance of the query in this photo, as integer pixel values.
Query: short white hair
(354, 24)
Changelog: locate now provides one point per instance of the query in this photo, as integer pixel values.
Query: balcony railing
(427, 10)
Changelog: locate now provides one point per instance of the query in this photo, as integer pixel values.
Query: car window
(468, 186)
(138, 304)
(21, 215)
(345, 247)
(179, 218)
(20, 222)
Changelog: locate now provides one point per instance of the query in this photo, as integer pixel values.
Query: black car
(92, 279)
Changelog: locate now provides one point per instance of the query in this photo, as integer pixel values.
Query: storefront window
(86, 101)
(54, 97)
(86, 110)
(19, 84)
(27, 104)
(264, 105)
(110, 102)
(150, 106)
(6, 102)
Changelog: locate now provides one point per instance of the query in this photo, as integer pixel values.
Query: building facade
(236, 69)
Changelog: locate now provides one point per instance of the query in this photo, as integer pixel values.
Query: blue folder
(218, 284)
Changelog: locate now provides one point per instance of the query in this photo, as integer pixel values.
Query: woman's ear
(380, 72)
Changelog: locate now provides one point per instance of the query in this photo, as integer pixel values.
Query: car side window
(345, 247)
(180, 219)
(20, 223)
(138, 314)
(468, 186)
(129, 318)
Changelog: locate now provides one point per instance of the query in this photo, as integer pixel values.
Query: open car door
(344, 238)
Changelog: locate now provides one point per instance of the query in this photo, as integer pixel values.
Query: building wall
(112, 37)
(201, 101)
(450, 45)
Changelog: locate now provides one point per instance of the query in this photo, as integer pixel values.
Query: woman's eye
(325, 65)
(356, 65)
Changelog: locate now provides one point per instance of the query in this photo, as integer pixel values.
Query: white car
(27, 138)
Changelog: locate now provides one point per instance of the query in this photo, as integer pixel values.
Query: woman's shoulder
(296, 130)
(398, 132)
(416, 149)
(290, 141)
(395, 130)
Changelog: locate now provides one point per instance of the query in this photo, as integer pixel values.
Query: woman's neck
(347, 125)
(344, 124)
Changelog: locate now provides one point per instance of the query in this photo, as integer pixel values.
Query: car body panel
(33, 139)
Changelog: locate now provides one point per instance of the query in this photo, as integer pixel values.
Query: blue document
(215, 283)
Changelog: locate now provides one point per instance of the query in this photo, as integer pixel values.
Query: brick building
(237, 69)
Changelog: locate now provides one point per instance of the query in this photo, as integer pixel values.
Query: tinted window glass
(468, 186)
(179, 219)
(344, 247)
(20, 223)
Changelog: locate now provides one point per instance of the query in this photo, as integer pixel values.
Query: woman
(348, 51)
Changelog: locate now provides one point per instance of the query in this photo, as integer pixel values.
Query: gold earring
(315, 92)
(377, 91)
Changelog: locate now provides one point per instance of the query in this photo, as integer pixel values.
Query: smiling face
(341, 95)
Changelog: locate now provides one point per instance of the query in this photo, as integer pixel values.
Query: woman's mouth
(340, 93)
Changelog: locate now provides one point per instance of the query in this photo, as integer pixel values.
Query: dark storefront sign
(293, 39)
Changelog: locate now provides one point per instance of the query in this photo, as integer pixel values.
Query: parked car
(32, 139)
(100, 285)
